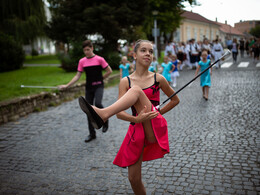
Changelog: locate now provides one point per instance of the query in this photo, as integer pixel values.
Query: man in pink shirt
(92, 65)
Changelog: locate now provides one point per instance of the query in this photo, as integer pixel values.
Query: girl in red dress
(147, 136)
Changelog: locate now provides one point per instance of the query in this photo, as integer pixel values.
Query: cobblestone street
(214, 145)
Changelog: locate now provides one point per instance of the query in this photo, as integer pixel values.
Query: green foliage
(34, 52)
(255, 31)
(117, 19)
(69, 61)
(11, 55)
(24, 20)
(74, 19)
(42, 59)
(113, 59)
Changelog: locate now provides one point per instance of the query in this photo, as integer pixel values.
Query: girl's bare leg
(207, 92)
(203, 91)
(135, 177)
(133, 97)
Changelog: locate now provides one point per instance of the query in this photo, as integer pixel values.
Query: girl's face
(173, 58)
(144, 54)
(204, 55)
(165, 59)
(124, 60)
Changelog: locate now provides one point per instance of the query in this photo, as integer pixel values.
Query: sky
(231, 11)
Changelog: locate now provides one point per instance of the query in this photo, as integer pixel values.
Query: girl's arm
(164, 85)
(197, 70)
(173, 67)
(142, 116)
(120, 73)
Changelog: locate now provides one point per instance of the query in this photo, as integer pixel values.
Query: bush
(12, 55)
(113, 59)
(34, 52)
(69, 62)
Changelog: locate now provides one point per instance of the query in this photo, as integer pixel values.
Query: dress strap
(129, 81)
(154, 77)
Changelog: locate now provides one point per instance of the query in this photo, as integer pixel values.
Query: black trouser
(234, 56)
(94, 97)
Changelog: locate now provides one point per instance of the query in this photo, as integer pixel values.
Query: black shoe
(90, 137)
(105, 127)
(94, 118)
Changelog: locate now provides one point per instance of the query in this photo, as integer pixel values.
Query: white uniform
(217, 51)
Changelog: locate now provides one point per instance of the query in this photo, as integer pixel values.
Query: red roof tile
(197, 17)
(226, 28)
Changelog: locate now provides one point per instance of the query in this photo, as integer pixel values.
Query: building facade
(246, 26)
(196, 26)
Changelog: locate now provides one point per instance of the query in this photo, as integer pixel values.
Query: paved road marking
(226, 65)
(258, 64)
(243, 65)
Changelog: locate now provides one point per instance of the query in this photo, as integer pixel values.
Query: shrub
(113, 59)
(34, 52)
(69, 62)
(12, 55)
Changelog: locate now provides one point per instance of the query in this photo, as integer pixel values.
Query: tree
(23, 19)
(74, 19)
(255, 31)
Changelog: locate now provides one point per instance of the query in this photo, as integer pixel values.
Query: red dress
(135, 141)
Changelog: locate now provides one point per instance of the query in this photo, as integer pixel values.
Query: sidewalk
(214, 146)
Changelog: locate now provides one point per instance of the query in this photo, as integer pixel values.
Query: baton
(227, 53)
(42, 87)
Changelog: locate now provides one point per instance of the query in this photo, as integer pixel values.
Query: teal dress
(125, 69)
(205, 77)
(166, 71)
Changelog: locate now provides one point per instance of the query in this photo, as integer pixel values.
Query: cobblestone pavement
(214, 145)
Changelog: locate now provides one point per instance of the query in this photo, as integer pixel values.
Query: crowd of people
(180, 55)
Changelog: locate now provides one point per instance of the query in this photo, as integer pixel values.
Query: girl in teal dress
(205, 82)
(124, 67)
(168, 67)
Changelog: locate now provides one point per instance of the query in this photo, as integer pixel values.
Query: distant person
(92, 65)
(242, 47)
(167, 68)
(154, 65)
(194, 53)
(229, 43)
(124, 67)
(217, 51)
(256, 49)
(169, 49)
(181, 55)
(247, 47)
(205, 81)
(234, 50)
(175, 73)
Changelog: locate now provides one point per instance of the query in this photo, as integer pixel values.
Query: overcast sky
(231, 10)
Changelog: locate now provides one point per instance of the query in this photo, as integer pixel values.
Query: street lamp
(155, 13)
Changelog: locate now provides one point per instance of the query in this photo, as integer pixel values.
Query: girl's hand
(144, 115)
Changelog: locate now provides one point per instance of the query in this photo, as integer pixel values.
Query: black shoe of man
(105, 127)
(90, 138)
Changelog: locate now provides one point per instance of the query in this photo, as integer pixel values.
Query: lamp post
(155, 13)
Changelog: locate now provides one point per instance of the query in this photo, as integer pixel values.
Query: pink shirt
(93, 68)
